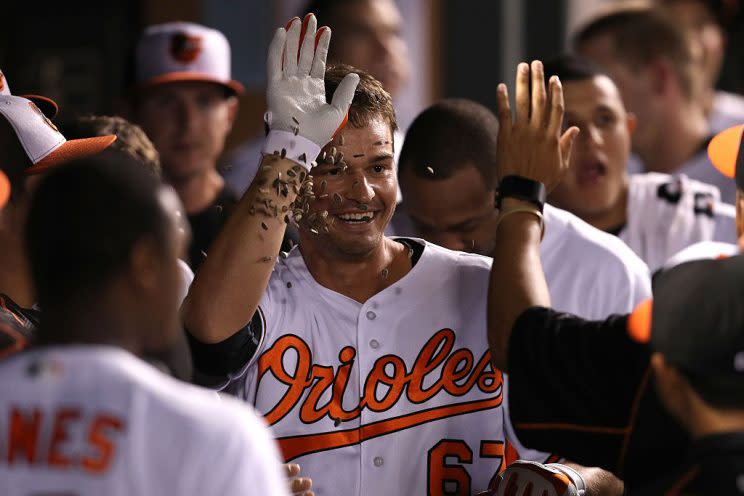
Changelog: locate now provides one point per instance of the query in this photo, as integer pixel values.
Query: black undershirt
(206, 225)
(583, 390)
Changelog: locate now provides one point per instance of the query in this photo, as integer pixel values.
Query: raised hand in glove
(524, 478)
(300, 120)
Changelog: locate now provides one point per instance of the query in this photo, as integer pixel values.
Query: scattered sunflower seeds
(385, 273)
(430, 170)
(341, 140)
(264, 226)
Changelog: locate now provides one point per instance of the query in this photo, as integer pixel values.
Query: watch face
(522, 189)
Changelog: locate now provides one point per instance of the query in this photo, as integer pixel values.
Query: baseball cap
(183, 51)
(46, 105)
(41, 140)
(725, 152)
(4, 189)
(696, 319)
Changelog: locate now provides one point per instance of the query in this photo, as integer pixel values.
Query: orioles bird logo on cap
(185, 48)
(44, 117)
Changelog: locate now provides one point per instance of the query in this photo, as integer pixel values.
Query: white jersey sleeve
(590, 273)
(668, 213)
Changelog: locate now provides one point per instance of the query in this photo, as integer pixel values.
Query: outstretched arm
(530, 146)
(231, 281)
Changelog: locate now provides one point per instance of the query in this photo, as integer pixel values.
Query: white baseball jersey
(590, 273)
(95, 420)
(668, 213)
(702, 251)
(395, 395)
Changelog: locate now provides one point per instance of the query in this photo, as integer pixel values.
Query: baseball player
(448, 176)
(624, 393)
(29, 144)
(722, 152)
(657, 215)
(81, 414)
(367, 355)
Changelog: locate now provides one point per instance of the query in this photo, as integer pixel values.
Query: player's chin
(357, 244)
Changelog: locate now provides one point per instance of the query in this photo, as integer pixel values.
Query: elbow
(498, 347)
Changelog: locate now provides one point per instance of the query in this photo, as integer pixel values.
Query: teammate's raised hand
(531, 145)
(301, 122)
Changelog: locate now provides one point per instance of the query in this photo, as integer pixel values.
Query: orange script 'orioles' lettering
(459, 374)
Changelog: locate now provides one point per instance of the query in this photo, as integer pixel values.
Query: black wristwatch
(521, 188)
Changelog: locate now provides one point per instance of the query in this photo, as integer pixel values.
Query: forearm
(599, 482)
(231, 281)
(517, 281)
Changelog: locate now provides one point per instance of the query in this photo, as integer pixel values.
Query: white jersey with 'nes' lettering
(393, 396)
(95, 420)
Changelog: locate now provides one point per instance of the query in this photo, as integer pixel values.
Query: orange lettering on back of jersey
(62, 419)
(98, 438)
(23, 435)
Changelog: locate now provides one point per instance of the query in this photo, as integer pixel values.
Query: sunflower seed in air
(430, 170)
(385, 273)
(341, 140)
(264, 226)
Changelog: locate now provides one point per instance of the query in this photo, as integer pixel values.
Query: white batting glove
(523, 478)
(300, 120)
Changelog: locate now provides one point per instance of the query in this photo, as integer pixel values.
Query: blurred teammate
(448, 175)
(81, 413)
(185, 100)
(366, 354)
(706, 21)
(653, 64)
(657, 215)
(29, 145)
(586, 389)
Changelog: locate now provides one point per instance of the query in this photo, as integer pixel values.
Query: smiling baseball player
(367, 355)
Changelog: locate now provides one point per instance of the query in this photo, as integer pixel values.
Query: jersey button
(378, 461)
(371, 315)
(374, 344)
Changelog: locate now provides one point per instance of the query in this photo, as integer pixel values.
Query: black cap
(698, 318)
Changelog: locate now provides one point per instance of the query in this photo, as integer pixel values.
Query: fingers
(322, 41)
(566, 143)
(539, 112)
(504, 108)
(291, 469)
(307, 49)
(345, 92)
(555, 121)
(522, 93)
(300, 485)
(276, 52)
(292, 47)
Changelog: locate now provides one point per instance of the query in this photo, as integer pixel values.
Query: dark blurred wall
(482, 41)
(71, 51)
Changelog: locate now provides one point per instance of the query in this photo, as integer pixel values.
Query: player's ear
(144, 263)
(233, 105)
(631, 122)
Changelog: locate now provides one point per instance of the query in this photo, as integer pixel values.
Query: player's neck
(15, 275)
(198, 191)
(91, 324)
(678, 140)
(358, 279)
(613, 217)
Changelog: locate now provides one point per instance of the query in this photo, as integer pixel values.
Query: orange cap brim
(723, 150)
(177, 77)
(47, 106)
(70, 150)
(639, 322)
(4, 189)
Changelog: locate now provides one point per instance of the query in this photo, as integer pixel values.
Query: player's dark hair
(130, 138)
(571, 67)
(449, 136)
(325, 10)
(370, 98)
(641, 34)
(84, 220)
